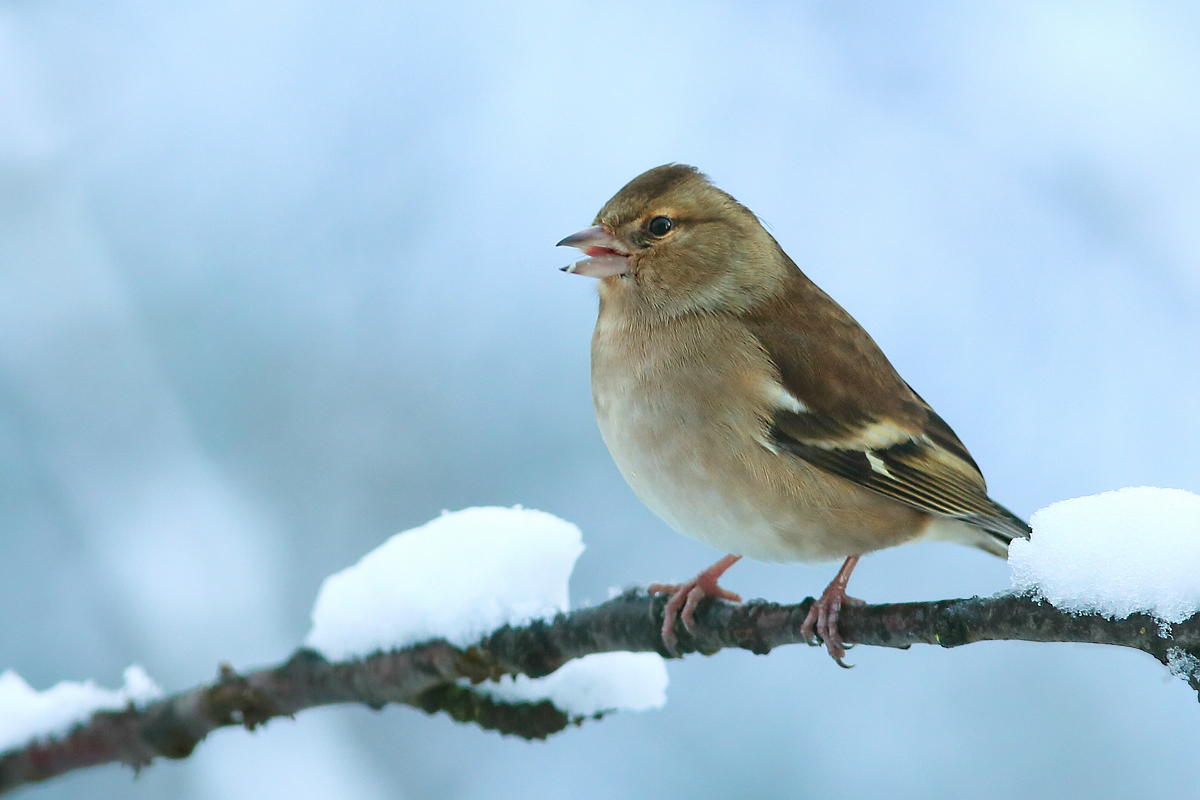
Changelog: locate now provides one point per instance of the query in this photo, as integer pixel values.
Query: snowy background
(277, 281)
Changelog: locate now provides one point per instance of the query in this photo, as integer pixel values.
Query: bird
(750, 411)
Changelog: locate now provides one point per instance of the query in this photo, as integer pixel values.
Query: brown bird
(748, 410)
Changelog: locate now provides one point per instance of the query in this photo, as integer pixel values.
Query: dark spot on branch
(463, 704)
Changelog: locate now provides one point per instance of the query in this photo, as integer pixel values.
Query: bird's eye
(659, 226)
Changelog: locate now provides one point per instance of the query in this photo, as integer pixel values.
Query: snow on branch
(468, 615)
(440, 677)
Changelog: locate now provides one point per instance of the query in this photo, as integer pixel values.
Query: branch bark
(438, 677)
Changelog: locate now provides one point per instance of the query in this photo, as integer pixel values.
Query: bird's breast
(683, 407)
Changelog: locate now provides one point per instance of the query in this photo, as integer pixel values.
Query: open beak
(605, 256)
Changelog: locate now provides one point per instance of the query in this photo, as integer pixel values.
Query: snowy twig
(433, 676)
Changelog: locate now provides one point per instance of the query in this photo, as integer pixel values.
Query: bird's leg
(823, 615)
(687, 596)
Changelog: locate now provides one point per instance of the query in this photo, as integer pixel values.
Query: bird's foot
(820, 625)
(686, 596)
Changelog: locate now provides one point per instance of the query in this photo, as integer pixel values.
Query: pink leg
(688, 595)
(823, 615)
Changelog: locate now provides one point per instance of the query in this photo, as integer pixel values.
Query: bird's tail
(992, 531)
(998, 529)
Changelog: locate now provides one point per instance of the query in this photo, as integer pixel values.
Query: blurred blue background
(277, 279)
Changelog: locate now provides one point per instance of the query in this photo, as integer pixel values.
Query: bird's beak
(606, 258)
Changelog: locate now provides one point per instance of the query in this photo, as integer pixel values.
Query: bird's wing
(843, 408)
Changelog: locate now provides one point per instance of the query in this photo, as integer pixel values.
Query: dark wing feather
(912, 471)
(860, 420)
(941, 434)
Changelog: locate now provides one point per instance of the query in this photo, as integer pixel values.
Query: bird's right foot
(685, 597)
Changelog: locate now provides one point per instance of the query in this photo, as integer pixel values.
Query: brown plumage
(749, 410)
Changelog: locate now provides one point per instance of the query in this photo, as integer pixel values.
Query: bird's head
(675, 243)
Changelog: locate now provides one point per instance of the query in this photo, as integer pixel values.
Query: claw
(821, 622)
(685, 597)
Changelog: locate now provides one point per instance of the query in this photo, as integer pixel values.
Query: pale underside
(692, 443)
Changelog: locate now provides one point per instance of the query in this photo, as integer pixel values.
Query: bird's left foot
(686, 596)
(822, 618)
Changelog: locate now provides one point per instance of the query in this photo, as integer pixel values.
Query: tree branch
(434, 676)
